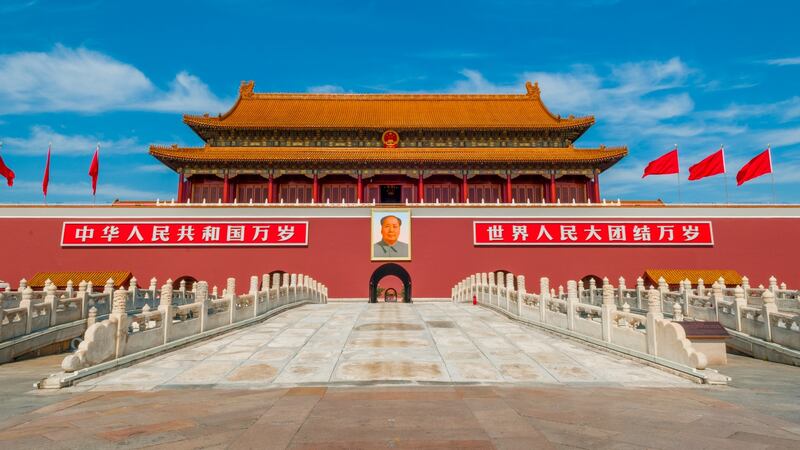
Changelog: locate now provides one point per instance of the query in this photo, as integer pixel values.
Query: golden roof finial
(246, 89)
(533, 89)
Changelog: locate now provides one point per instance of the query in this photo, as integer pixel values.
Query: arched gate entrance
(385, 271)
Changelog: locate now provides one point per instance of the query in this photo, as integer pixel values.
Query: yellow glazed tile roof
(377, 154)
(388, 111)
(709, 276)
(97, 278)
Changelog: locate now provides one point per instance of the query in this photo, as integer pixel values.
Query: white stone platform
(383, 343)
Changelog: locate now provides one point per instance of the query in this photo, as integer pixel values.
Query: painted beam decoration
(184, 234)
(621, 233)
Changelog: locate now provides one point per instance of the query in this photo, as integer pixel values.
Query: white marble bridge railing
(26, 311)
(649, 336)
(770, 314)
(124, 334)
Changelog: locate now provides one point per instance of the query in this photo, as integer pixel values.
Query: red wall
(338, 255)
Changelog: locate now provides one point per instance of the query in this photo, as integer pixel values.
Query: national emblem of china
(390, 139)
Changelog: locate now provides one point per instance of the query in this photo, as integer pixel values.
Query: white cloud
(326, 89)
(153, 168)
(83, 80)
(70, 145)
(624, 94)
(793, 61)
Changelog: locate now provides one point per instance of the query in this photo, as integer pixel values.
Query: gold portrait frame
(404, 214)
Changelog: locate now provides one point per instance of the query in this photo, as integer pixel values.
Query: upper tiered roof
(388, 111)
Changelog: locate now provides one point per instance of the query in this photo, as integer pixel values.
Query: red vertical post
(181, 182)
(596, 186)
(552, 187)
(464, 188)
(421, 188)
(359, 188)
(315, 189)
(226, 189)
(270, 188)
(508, 187)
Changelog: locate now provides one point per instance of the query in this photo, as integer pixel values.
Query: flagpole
(724, 174)
(771, 174)
(679, 175)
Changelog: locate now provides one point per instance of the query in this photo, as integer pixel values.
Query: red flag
(663, 165)
(6, 171)
(760, 165)
(94, 169)
(714, 164)
(46, 179)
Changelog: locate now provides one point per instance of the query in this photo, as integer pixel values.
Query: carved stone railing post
(23, 284)
(677, 312)
(230, 295)
(108, 289)
(52, 302)
(491, 285)
(544, 295)
(717, 297)
(572, 301)
(621, 290)
(201, 298)
(70, 291)
(165, 308)
(509, 290)
(768, 308)
(92, 317)
(653, 314)
(153, 288)
(27, 304)
(521, 291)
(90, 287)
(592, 287)
(254, 293)
(701, 288)
(607, 311)
(687, 292)
(133, 289)
(739, 302)
(640, 293)
(285, 288)
(581, 290)
(663, 288)
(773, 284)
(746, 286)
(276, 283)
(120, 317)
(84, 299)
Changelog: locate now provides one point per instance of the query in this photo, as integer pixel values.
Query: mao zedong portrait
(389, 246)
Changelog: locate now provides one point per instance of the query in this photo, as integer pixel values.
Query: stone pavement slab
(356, 343)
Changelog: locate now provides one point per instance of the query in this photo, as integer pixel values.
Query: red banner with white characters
(593, 233)
(183, 234)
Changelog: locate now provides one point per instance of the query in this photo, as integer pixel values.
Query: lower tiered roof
(176, 157)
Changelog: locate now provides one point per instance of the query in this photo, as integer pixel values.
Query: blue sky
(654, 73)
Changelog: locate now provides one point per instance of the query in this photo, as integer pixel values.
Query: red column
(270, 187)
(464, 188)
(315, 189)
(226, 188)
(421, 188)
(181, 182)
(596, 186)
(508, 187)
(359, 188)
(552, 187)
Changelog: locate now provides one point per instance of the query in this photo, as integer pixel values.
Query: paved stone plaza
(298, 381)
(360, 342)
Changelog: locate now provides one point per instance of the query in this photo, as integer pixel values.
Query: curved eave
(200, 123)
(176, 157)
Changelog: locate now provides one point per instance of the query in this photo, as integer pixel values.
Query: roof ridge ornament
(532, 88)
(246, 89)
